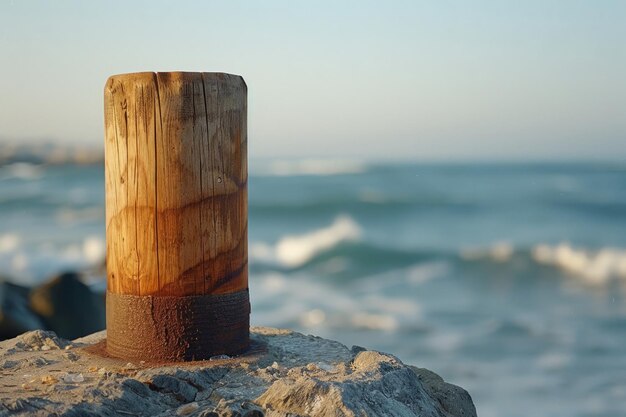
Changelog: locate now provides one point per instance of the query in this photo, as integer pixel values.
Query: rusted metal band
(154, 328)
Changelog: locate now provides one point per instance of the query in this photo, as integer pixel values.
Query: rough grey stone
(67, 306)
(284, 374)
(455, 400)
(15, 315)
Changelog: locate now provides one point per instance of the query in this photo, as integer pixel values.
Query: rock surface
(63, 304)
(284, 374)
(68, 307)
(15, 314)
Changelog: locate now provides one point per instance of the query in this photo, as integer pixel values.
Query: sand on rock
(284, 374)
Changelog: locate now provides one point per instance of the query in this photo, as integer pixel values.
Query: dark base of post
(197, 327)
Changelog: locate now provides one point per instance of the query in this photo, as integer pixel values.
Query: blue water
(506, 279)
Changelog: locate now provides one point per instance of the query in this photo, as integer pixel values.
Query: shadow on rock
(15, 314)
(68, 307)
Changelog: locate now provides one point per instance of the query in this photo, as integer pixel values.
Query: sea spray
(295, 250)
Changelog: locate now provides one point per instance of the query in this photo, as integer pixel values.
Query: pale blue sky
(425, 80)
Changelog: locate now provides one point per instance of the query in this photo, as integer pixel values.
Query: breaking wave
(591, 266)
(594, 266)
(340, 249)
(296, 250)
(32, 266)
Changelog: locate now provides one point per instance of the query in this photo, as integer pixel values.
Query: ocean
(506, 279)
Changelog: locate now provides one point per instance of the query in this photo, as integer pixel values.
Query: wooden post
(176, 215)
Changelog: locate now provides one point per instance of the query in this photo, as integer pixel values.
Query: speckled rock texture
(284, 374)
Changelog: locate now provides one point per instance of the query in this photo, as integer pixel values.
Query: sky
(531, 80)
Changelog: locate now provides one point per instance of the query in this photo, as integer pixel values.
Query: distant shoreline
(49, 154)
(56, 153)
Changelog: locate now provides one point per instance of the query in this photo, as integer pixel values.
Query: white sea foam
(30, 263)
(86, 254)
(313, 318)
(93, 249)
(498, 252)
(373, 321)
(21, 170)
(311, 167)
(9, 242)
(316, 304)
(295, 250)
(594, 267)
(302, 301)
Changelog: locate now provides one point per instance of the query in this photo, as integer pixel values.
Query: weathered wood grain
(176, 183)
